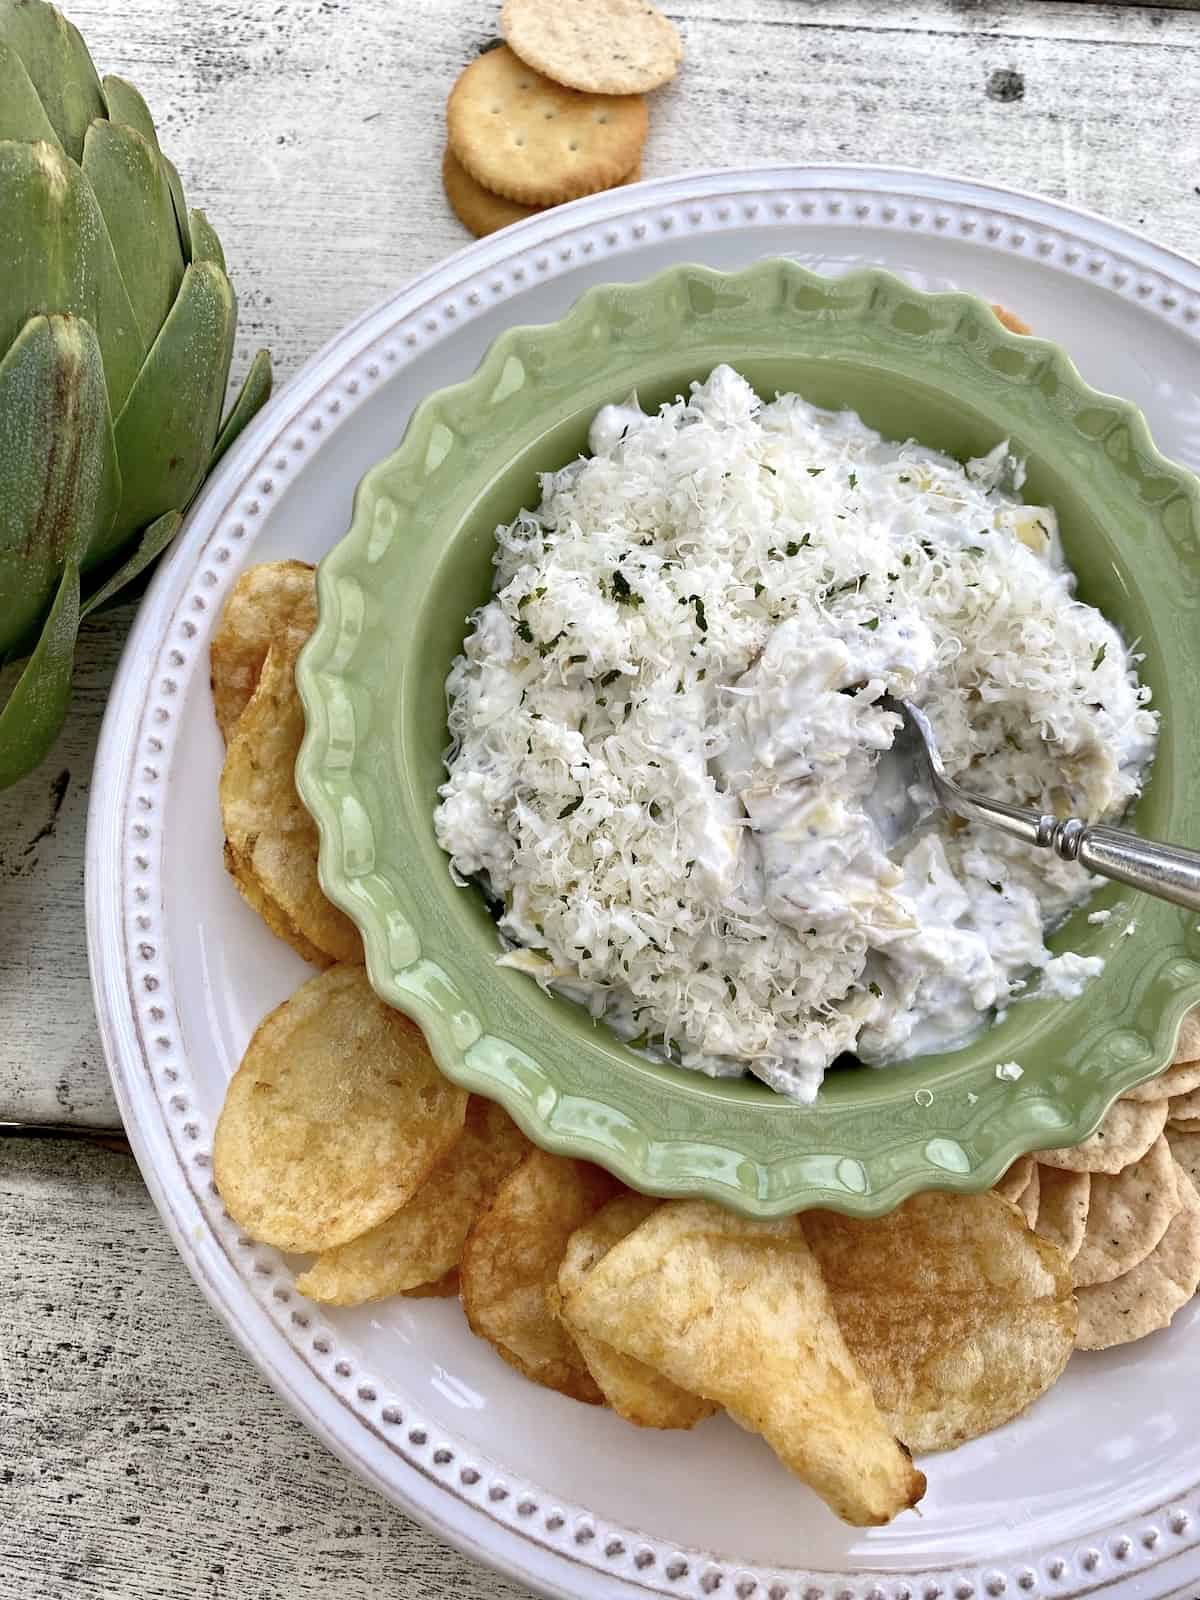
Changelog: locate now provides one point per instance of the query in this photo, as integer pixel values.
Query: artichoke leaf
(127, 108)
(152, 543)
(59, 481)
(58, 257)
(254, 394)
(59, 68)
(37, 706)
(181, 214)
(166, 432)
(205, 244)
(131, 189)
(22, 115)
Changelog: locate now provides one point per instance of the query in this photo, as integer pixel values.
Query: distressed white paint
(311, 131)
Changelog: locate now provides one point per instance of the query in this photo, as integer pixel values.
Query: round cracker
(1128, 1216)
(1064, 1199)
(1147, 1298)
(1185, 1147)
(1182, 1077)
(272, 839)
(1016, 1180)
(482, 211)
(1029, 1199)
(1124, 1136)
(273, 602)
(1187, 1046)
(531, 140)
(334, 1118)
(601, 46)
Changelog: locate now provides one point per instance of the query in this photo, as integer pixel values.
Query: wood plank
(142, 1457)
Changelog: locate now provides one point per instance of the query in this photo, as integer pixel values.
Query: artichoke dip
(669, 759)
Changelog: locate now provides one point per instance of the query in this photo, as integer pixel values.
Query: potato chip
(736, 1311)
(272, 838)
(1016, 1180)
(1185, 1147)
(443, 1289)
(1124, 1136)
(1129, 1214)
(256, 897)
(1147, 1298)
(1064, 1199)
(1180, 1078)
(511, 1260)
(333, 1119)
(274, 602)
(634, 1390)
(959, 1316)
(1030, 1197)
(423, 1241)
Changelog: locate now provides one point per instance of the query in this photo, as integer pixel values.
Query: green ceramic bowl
(394, 599)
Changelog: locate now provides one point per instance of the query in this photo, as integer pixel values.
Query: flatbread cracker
(482, 211)
(1147, 1298)
(1182, 1077)
(1029, 1199)
(1187, 1047)
(531, 140)
(602, 46)
(1124, 1136)
(1185, 1147)
(1064, 1199)
(1016, 1180)
(1184, 1107)
(1183, 1125)
(1129, 1214)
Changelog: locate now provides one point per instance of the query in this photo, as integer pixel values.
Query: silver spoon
(1167, 871)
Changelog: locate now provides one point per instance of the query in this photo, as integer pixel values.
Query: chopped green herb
(975, 550)
(622, 592)
(853, 480)
(575, 661)
(1098, 658)
(814, 472)
(610, 677)
(545, 648)
(759, 588)
(870, 624)
(875, 990)
(655, 809)
(904, 478)
(998, 887)
(769, 469)
(701, 619)
(571, 805)
(524, 632)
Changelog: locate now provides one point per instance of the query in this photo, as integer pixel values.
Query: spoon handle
(1167, 871)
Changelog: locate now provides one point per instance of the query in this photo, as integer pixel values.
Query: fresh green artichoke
(116, 334)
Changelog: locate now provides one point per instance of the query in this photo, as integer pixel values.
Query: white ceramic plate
(1098, 1489)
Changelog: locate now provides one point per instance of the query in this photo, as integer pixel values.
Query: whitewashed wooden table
(140, 1454)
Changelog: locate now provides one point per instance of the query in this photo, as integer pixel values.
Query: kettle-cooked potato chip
(634, 1390)
(272, 603)
(511, 1259)
(333, 1119)
(957, 1313)
(736, 1311)
(424, 1240)
(272, 840)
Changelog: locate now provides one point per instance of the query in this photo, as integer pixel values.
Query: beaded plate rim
(524, 1530)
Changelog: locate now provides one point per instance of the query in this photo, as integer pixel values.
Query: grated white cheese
(667, 738)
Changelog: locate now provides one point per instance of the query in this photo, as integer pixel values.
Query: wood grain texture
(140, 1455)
